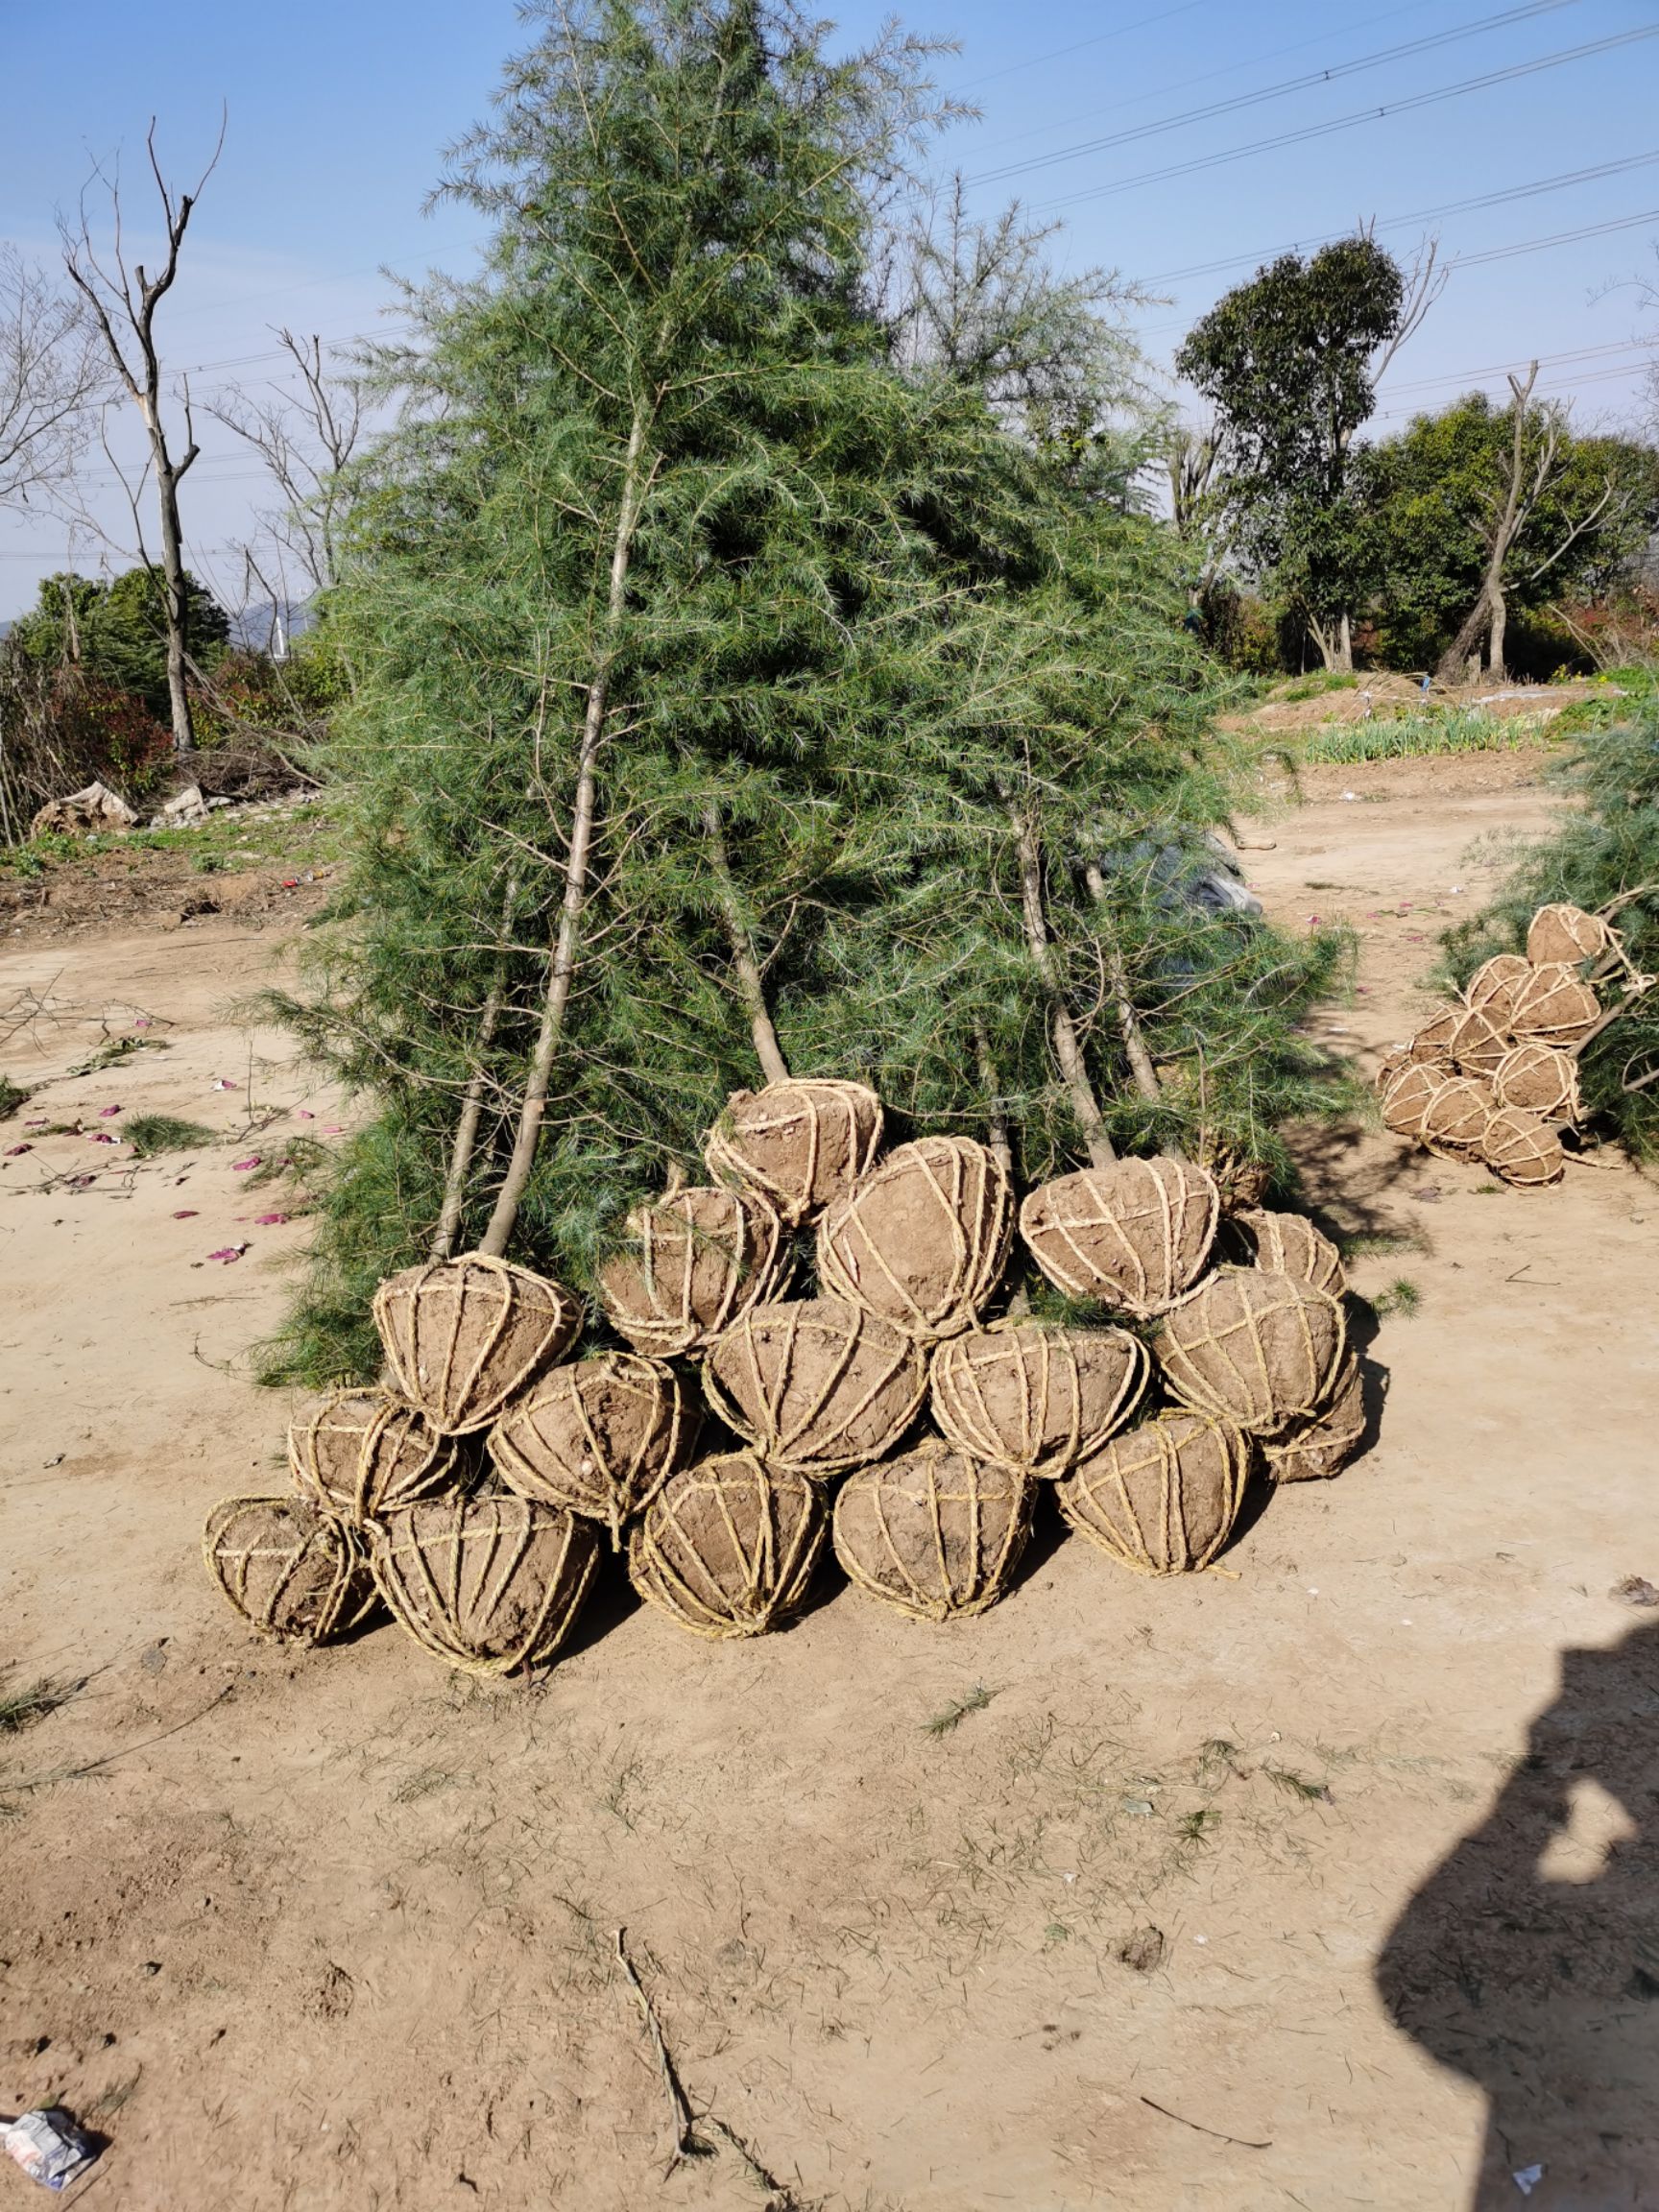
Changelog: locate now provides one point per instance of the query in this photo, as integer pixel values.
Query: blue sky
(338, 115)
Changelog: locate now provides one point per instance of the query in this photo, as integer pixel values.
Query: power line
(1361, 115)
(1059, 53)
(1327, 76)
(1560, 238)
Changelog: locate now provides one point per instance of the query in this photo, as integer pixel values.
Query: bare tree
(1530, 470)
(1204, 515)
(305, 442)
(50, 373)
(123, 304)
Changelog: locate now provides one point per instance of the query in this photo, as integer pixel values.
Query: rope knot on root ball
(294, 1573)
(923, 1239)
(491, 1582)
(361, 1453)
(801, 1144)
(463, 1337)
(726, 1548)
(599, 1437)
(1136, 1235)
(815, 1384)
(1161, 1497)
(934, 1533)
(1258, 1351)
(700, 1255)
(1029, 1395)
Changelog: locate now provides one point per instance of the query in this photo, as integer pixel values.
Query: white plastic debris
(1527, 2179)
(48, 2146)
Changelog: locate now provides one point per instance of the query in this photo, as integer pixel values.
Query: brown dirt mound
(361, 1453)
(1255, 1350)
(293, 1573)
(1137, 1234)
(1028, 1395)
(727, 1549)
(1563, 935)
(801, 1144)
(599, 1437)
(1289, 1244)
(1540, 1080)
(922, 1241)
(1314, 1451)
(699, 1257)
(464, 1336)
(1554, 1006)
(1492, 986)
(934, 1533)
(816, 1384)
(1522, 1149)
(491, 1584)
(1164, 1498)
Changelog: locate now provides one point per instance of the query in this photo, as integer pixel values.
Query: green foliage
(1418, 736)
(117, 631)
(151, 1134)
(862, 624)
(12, 1097)
(1425, 499)
(1605, 849)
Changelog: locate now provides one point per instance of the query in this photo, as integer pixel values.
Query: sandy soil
(338, 1930)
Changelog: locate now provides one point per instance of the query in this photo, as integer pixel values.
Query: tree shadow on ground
(1529, 1961)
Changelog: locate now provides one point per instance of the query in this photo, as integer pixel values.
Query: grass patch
(1418, 736)
(12, 1096)
(21, 1709)
(118, 1049)
(954, 1713)
(1402, 1296)
(224, 843)
(149, 1134)
(1316, 685)
(299, 1157)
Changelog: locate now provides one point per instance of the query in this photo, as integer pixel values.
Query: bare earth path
(336, 1931)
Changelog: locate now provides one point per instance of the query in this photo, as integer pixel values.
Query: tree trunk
(472, 1099)
(1139, 1060)
(176, 602)
(1001, 1144)
(1345, 645)
(1495, 636)
(562, 966)
(1068, 1050)
(751, 988)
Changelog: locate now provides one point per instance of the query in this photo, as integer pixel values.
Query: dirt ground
(1140, 1929)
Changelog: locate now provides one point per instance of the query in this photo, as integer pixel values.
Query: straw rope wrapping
(1491, 989)
(1478, 1043)
(599, 1437)
(801, 1144)
(1255, 1350)
(934, 1533)
(1408, 1096)
(1562, 935)
(727, 1548)
(490, 1583)
(1289, 1244)
(1540, 1080)
(1554, 1006)
(292, 1573)
(1025, 1395)
(463, 1337)
(1522, 1149)
(1137, 1234)
(360, 1453)
(1162, 1499)
(1456, 1118)
(1432, 1043)
(1314, 1451)
(701, 1256)
(816, 1384)
(922, 1241)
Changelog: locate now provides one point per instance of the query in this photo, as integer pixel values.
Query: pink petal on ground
(142, 1023)
(12, 1150)
(269, 1220)
(101, 1136)
(242, 1166)
(104, 1112)
(185, 1214)
(223, 1083)
(227, 1253)
(333, 1129)
(303, 1114)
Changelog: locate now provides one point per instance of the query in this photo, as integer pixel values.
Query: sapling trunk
(744, 961)
(1139, 1060)
(562, 966)
(1001, 1144)
(1068, 1049)
(472, 1099)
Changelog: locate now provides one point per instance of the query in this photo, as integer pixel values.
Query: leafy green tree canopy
(117, 629)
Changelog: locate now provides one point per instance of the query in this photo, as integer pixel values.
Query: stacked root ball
(1495, 1077)
(906, 1412)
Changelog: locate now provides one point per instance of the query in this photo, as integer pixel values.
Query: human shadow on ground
(1529, 1961)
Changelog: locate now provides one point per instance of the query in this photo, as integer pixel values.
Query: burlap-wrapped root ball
(1563, 935)
(1554, 1006)
(599, 1437)
(1255, 1350)
(1028, 1395)
(360, 1453)
(492, 1583)
(1162, 1498)
(1136, 1235)
(699, 1257)
(922, 1241)
(291, 1571)
(1432, 1043)
(463, 1337)
(1454, 1119)
(1408, 1096)
(1314, 1451)
(1540, 1080)
(1289, 1244)
(1492, 986)
(801, 1144)
(1522, 1149)
(933, 1533)
(1478, 1043)
(815, 1384)
(726, 1548)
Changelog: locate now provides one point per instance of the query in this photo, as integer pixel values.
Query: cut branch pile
(1495, 1077)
